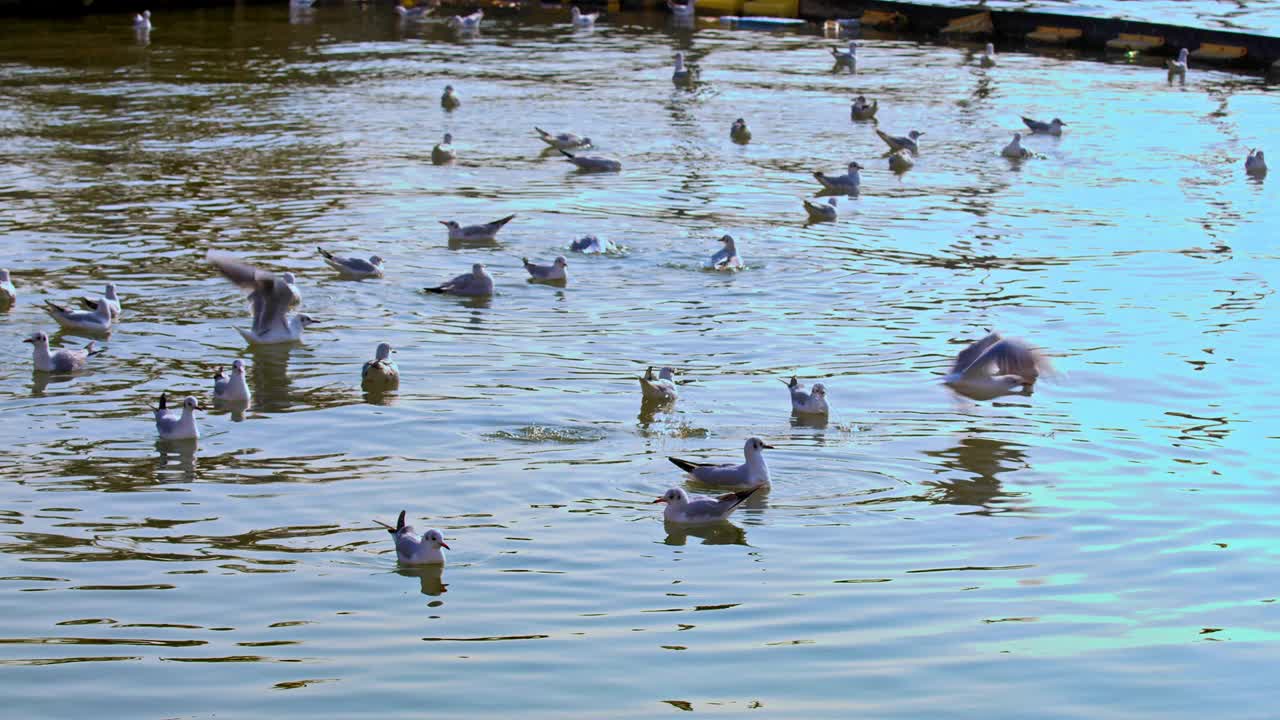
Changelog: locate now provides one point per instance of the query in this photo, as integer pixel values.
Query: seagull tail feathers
(684, 465)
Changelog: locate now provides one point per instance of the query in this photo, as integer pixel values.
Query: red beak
(659, 500)
(445, 545)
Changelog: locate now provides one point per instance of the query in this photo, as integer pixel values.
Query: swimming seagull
(581, 19)
(593, 163)
(417, 13)
(847, 183)
(751, 474)
(353, 268)
(89, 321)
(847, 60)
(994, 366)
(177, 428)
(486, 231)
(908, 142)
(449, 100)
(661, 389)
(699, 510)
(1014, 149)
(269, 297)
(381, 373)
(862, 110)
(988, 58)
(563, 141)
(682, 12)
(901, 161)
(1255, 164)
(467, 23)
(821, 212)
(113, 301)
(231, 389)
(592, 245)
(1053, 127)
(739, 132)
(8, 293)
(443, 152)
(412, 551)
(62, 361)
(681, 74)
(726, 258)
(554, 272)
(813, 402)
(142, 21)
(1178, 67)
(474, 284)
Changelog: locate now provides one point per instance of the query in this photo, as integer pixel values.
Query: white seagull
(661, 389)
(908, 142)
(1014, 149)
(142, 21)
(863, 110)
(846, 60)
(353, 268)
(581, 19)
(381, 373)
(474, 284)
(988, 58)
(232, 389)
(449, 100)
(901, 161)
(592, 245)
(682, 12)
(563, 141)
(8, 293)
(847, 183)
(485, 231)
(813, 402)
(699, 510)
(417, 13)
(994, 366)
(96, 321)
(555, 272)
(681, 75)
(443, 152)
(1255, 164)
(413, 551)
(751, 474)
(726, 258)
(821, 212)
(467, 23)
(113, 301)
(593, 163)
(62, 361)
(739, 132)
(1053, 127)
(1178, 67)
(177, 428)
(270, 298)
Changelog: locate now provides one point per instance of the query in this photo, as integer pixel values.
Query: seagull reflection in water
(984, 458)
(430, 577)
(176, 455)
(721, 533)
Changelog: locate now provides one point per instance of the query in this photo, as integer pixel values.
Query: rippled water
(1105, 548)
(1234, 15)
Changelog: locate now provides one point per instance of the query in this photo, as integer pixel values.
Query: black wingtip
(163, 401)
(400, 522)
(325, 254)
(684, 465)
(438, 290)
(566, 154)
(742, 496)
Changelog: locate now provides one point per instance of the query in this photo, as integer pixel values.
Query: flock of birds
(989, 368)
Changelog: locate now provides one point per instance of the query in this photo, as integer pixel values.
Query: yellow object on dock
(1131, 41)
(1214, 51)
(771, 8)
(720, 7)
(976, 24)
(883, 19)
(1051, 34)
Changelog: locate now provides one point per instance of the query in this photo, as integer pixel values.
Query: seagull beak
(443, 223)
(768, 447)
(29, 340)
(659, 500)
(445, 545)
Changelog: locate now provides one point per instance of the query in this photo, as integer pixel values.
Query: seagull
(90, 321)
(902, 143)
(863, 110)
(821, 212)
(563, 141)
(448, 100)
(1053, 127)
(270, 298)
(592, 245)
(751, 474)
(681, 12)
(726, 258)
(381, 373)
(554, 272)
(412, 551)
(417, 13)
(487, 231)
(1014, 149)
(62, 361)
(142, 21)
(699, 510)
(847, 183)
(661, 389)
(593, 163)
(1254, 165)
(813, 402)
(177, 428)
(581, 19)
(847, 60)
(994, 366)
(290, 282)
(475, 283)
(681, 74)
(8, 293)
(231, 389)
(739, 132)
(113, 301)
(467, 23)
(353, 268)
(901, 161)
(988, 58)
(443, 153)
(1178, 67)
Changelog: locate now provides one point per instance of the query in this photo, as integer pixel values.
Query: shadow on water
(722, 533)
(430, 578)
(983, 459)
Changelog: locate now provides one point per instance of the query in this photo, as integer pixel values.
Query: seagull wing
(972, 355)
(269, 295)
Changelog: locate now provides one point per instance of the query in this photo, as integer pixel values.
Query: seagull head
(819, 390)
(854, 167)
(1017, 137)
(190, 403)
(448, 89)
(384, 351)
(477, 269)
(288, 278)
(4, 275)
(560, 261)
(451, 224)
(307, 320)
(237, 367)
(727, 240)
(754, 445)
(434, 539)
(375, 260)
(38, 338)
(674, 497)
(1056, 121)
(1258, 154)
(914, 134)
(448, 138)
(991, 49)
(111, 290)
